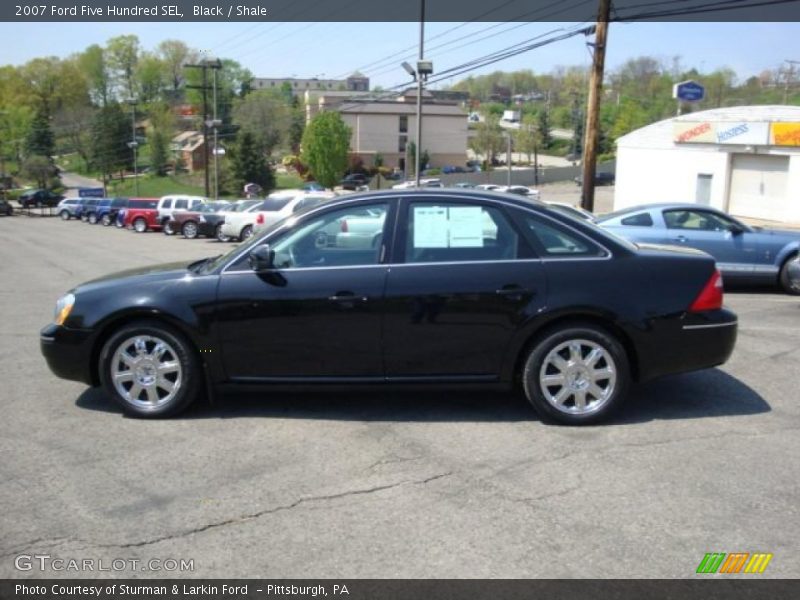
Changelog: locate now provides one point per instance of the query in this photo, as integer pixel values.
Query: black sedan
(39, 198)
(402, 287)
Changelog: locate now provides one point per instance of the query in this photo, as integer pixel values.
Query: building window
(401, 146)
(403, 123)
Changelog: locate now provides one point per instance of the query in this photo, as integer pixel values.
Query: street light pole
(508, 158)
(418, 146)
(216, 141)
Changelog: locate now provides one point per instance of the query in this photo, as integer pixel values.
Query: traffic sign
(688, 91)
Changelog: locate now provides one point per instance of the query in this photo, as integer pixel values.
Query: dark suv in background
(39, 198)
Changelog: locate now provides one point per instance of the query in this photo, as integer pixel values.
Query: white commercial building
(744, 160)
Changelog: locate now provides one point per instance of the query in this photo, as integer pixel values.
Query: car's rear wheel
(576, 375)
(167, 228)
(219, 235)
(189, 230)
(93, 218)
(64, 214)
(139, 225)
(790, 275)
(106, 220)
(150, 370)
(246, 233)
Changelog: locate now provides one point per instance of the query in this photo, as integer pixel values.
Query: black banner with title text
(393, 10)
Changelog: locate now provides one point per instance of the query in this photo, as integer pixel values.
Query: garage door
(758, 186)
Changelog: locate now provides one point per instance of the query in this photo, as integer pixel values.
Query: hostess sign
(707, 132)
(688, 91)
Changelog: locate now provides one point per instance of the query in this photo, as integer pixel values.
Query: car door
(316, 317)
(735, 252)
(462, 278)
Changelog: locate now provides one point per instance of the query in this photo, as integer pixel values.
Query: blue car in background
(744, 254)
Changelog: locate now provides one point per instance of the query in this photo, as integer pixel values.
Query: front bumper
(68, 352)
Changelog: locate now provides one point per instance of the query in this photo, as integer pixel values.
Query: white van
(167, 205)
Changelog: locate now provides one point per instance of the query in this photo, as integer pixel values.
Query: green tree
(40, 141)
(41, 170)
(174, 55)
(123, 55)
(266, 115)
(488, 139)
(326, 144)
(543, 129)
(248, 164)
(151, 75)
(110, 136)
(162, 121)
(93, 65)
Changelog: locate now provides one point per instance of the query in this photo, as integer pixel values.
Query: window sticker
(465, 227)
(430, 227)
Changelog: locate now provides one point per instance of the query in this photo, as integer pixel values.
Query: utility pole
(133, 145)
(205, 65)
(593, 105)
(508, 158)
(418, 146)
(789, 78)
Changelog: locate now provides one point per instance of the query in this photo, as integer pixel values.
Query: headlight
(63, 308)
(202, 219)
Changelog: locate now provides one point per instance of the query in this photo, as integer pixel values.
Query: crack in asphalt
(247, 517)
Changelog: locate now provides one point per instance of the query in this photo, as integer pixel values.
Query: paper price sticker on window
(430, 227)
(465, 227)
(454, 227)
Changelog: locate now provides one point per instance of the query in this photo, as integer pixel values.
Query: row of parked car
(744, 254)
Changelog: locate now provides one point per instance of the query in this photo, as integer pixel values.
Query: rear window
(638, 220)
(119, 202)
(143, 204)
(275, 203)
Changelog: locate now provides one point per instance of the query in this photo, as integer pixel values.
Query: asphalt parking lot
(387, 485)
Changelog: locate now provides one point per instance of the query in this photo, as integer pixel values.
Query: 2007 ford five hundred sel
(426, 287)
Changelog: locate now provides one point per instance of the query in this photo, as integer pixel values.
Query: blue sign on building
(90, 192)
(688, 91)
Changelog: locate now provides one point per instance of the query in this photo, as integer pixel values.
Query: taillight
(344, 226)
(710, 297)
(260, 219)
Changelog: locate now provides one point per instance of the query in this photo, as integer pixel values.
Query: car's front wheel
(106, 220)
(150, 370)
(139, 225)
(790, 275)
(576, 375)
(93, 218)
(64, 214)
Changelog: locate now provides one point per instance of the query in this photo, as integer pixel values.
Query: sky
(336, 49)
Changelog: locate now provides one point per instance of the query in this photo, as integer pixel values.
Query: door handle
(513, 292)
(347, 297)
(682, 239)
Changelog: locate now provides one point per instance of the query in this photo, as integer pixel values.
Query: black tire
(64, 214)
(106, 220)
(587, 337)
(190, 230)
(246, 233)
(221, 237)
(167, 228)
(139, 225)
(93, 219)
(186, 382)
(790, 275)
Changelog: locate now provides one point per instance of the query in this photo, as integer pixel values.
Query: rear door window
(638, 220)
(554, 241)
(181, 203)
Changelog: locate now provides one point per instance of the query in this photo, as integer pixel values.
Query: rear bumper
(207, 229)
(67, 352)
(688, 343)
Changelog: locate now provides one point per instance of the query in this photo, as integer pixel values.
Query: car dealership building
(744, 160)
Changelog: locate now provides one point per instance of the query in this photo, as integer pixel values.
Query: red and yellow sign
(784, 134)
(693, 131)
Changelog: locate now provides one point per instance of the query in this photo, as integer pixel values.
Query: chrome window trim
(387, 199)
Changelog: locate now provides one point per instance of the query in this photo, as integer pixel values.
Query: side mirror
(736, 229)
(262, 258)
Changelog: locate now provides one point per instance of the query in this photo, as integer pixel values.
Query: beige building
(384, 126)
(355, 83)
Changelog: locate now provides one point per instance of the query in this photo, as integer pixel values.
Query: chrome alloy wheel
(578, 377)
(190, 230)
(146, 371)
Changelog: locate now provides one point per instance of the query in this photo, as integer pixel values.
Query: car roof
(443, 193)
